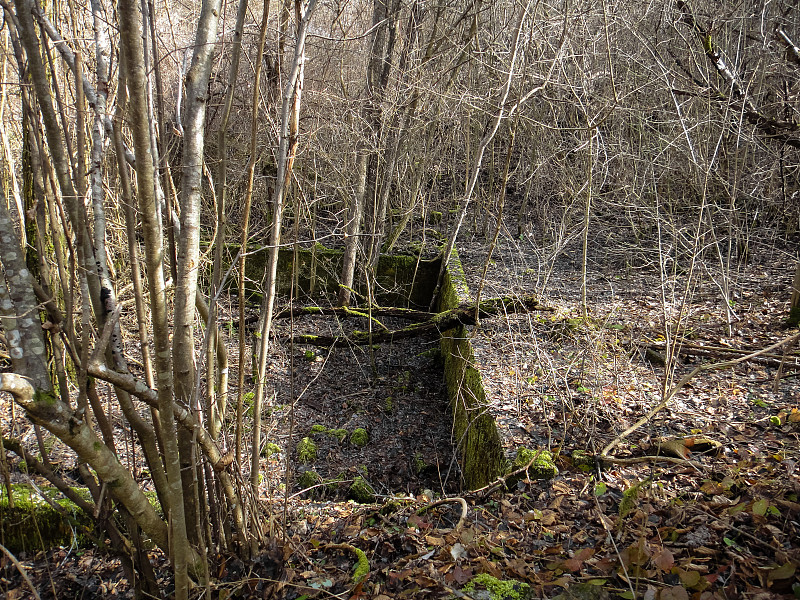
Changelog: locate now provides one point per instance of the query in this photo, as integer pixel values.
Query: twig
(456, 593)
(21, 570)
(486, 491)
(105, 337)
(613, 543)
(640, 459)
(779, 374)
(684, 380)
(454, 500)
(758, 541)
(690, 349)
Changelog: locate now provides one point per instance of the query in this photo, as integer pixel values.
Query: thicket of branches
(136, 146)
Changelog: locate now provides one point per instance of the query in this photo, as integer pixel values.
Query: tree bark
(68, 425)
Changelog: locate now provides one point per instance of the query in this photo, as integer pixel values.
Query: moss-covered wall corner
(479, 447)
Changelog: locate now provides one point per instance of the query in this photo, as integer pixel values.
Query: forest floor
(724, 523)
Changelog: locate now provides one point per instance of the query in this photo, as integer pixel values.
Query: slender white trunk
(289, 113)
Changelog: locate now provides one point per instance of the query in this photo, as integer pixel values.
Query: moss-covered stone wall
(478, 442)
(401, 280)
(34, 525)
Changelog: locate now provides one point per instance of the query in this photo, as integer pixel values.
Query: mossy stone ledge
(33, 524)
(479, 447)
(485, 450)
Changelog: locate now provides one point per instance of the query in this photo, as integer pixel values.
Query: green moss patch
(308, 479)
(359, 437)
(583, 461)
(499, 589)
(306, 450)
(542, 466)
(361, 491)
(271, 449)
(480, 451)
(339, 435)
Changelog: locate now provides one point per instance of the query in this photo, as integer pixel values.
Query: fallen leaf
(689, 579)
(760, 507)
(785, 571)
(664, 560)
(434, 540)
(548, 517)
(458, 551)
(461, 576)
(674, 593)
(576, 562)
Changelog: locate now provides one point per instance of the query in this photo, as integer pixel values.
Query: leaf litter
(668, 517)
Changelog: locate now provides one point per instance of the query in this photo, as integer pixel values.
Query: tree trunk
(131, 38)
(286, 145)
(183, 355)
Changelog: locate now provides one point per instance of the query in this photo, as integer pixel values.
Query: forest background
(145, 144)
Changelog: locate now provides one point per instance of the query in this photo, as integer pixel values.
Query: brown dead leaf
(16, 593)
(664, 560)
(489, 567)
(434, 540)
(461, 576)
(637, 554)
(517, 567)
(424, 581)
(712, 488)
(785, 571)
(419, 522)
(559, 487)
(692, 579)
(702, 444)
(548, 517)
(674, 447)
(674, 593)
(468, 536)
(351, 531)
(575, 563)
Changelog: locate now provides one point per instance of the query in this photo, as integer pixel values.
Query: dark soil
(395, 392)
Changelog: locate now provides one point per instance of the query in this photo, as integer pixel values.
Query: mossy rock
(270, 449)
(583, 461)
(308, 479)
(306, 450)
(485, 587)
(359, 437)
(543, 466)
(339, 434)
(361, 491)
(434, 354)
(419, 463)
